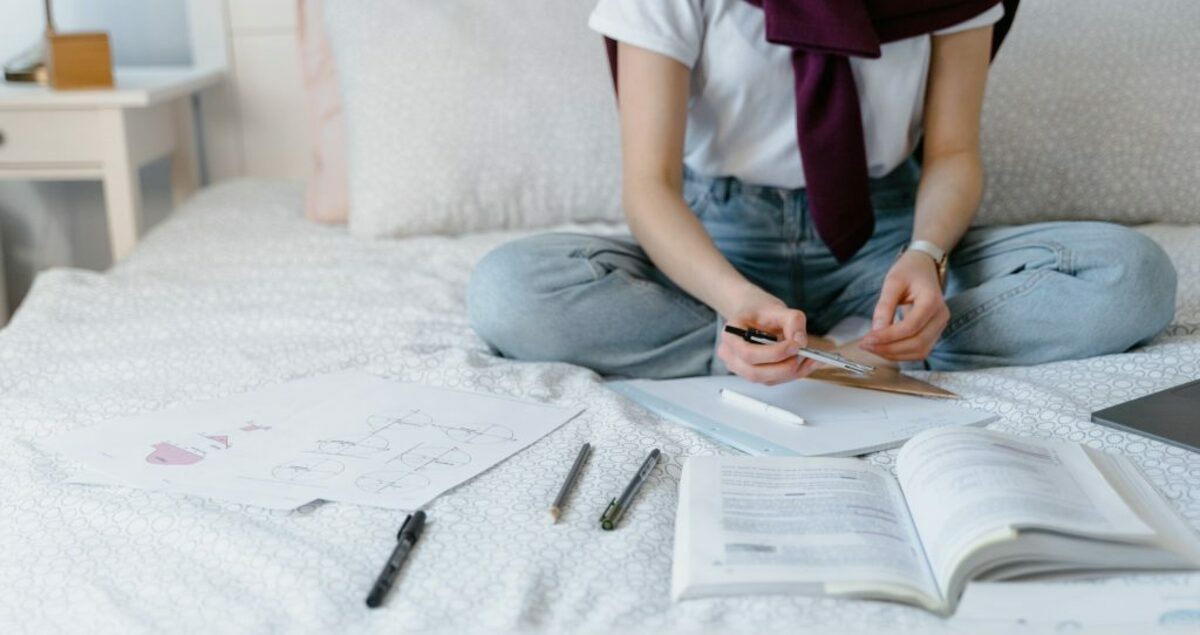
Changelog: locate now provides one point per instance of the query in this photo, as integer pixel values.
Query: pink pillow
(327, 199)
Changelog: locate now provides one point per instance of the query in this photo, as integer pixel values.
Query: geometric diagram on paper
(390, 481)
(405, 472)
(373, 442)
(398, 418)
(307, 470)
(433, 457)
(478, 434)
(360, 448)
(474, 433)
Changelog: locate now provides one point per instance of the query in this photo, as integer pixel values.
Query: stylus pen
(750, 404)
(572, 476)
(616, 508)
(755, 336)
(410, 531)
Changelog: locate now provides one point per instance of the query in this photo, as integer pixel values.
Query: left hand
(912, 283)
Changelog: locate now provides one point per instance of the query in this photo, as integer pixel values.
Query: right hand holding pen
(771, 363)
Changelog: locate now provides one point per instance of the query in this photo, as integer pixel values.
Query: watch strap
(940, 259)
(937, 253)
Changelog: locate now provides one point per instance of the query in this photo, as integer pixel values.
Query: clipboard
(842, 421)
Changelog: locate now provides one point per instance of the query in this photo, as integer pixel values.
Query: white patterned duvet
(237, 291)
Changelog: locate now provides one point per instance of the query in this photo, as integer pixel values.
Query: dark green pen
(616, 508)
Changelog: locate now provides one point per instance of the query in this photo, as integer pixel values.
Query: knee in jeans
(494, 290)
(1146, 286)
(507, 292)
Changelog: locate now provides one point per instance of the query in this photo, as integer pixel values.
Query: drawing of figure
(196, 448)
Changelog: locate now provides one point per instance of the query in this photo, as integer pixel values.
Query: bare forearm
(947, 198)
(653, 91)
(679, 245)
(952, 181)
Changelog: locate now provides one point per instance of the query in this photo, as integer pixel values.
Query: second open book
(968, 504)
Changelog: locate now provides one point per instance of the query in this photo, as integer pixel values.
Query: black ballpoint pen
(616, 508)
(410, 531)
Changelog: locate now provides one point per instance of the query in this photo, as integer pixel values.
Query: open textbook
(968, 504)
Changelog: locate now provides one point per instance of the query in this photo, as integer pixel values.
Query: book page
(967, 486)
(1173, 533)
(777, 524)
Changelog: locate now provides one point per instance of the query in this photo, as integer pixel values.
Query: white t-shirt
(742, 106)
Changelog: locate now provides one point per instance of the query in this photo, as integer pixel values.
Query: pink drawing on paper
(196, 448)
(222, 439)
(171, 454)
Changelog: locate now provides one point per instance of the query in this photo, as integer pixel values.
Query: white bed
(237, 291)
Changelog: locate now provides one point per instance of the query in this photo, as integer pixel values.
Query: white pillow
(474, 114)
(1093, 112)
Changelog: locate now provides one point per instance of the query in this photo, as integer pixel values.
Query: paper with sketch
(348, 436)
(201, 448)
(401, 445)
(841, 421)
(268, 499)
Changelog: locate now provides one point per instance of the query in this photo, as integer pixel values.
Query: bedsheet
(236, 291)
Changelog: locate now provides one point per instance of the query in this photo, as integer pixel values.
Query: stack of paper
(348, 437)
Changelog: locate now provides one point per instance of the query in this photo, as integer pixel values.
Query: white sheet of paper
(401, 445)
(841, 421)
(201, 447)
(257, 498)
(347, 436)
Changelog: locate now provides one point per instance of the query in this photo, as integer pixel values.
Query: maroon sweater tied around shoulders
(823, 35)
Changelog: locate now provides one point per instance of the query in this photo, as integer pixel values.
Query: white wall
(62, 224)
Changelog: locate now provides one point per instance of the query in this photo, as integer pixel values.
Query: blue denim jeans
(1017, 295)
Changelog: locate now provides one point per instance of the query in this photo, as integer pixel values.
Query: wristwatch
(938, 254)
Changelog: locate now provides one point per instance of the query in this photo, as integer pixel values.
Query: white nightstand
(106, 135)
